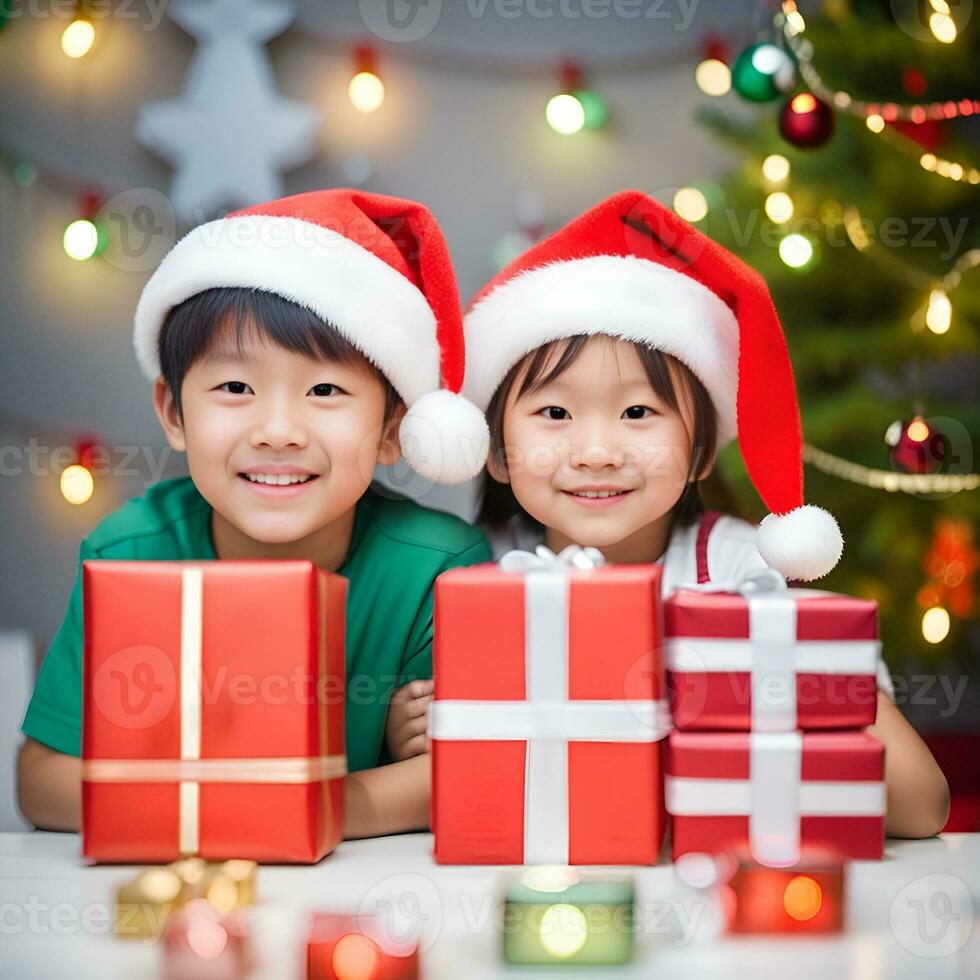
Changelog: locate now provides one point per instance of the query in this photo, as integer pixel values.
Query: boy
(284, 343)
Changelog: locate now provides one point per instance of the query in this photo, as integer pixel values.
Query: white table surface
(911, 915)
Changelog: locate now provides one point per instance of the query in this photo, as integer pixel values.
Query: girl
(614, 359)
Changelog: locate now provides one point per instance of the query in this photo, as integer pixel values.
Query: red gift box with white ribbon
(213, 710)
(776, 790)
(768, 658)
(546, 722)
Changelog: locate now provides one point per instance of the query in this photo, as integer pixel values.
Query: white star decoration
(230, 134)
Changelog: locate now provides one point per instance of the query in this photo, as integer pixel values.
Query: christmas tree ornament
(806, 122)
(916, 447)
(763, 72)
(229, 135)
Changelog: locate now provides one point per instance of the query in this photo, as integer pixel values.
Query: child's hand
(407, 727)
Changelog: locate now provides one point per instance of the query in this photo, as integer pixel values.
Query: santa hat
(374, 267)
(633, 269)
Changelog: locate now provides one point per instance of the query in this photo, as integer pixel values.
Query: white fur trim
(804, 544)
(623, 296)
(373, 305)
(444, 437)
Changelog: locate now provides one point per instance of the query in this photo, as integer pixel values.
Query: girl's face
(595, 455)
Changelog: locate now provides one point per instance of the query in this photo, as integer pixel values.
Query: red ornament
(714, 47)
(84, 449)
(916, 446)
(571, 76)
(365, 59)
(89, 201)
(806, 121)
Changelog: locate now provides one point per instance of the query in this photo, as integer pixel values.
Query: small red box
(778, 791)
(771, 661)
(341, 947)
(547, 723)
(213, 710)
(807, 897)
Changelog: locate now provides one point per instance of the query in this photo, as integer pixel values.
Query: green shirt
(397, 549)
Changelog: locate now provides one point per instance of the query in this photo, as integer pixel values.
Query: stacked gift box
(552, 742)
(770, 691)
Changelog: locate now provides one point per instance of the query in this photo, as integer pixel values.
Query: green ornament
(595, 108)
(763, 72)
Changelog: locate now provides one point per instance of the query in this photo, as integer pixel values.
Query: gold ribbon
(290, 769)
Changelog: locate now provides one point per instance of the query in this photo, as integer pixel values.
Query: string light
(948, 168)
(935, 624)
(775, 168)
(81, 240)
(366, 91)
(902, 270)
(78, 37)
(796, 251)
(76, 483)
(713, 77)
(802, 50)
(875, 122)
(913, 484)
(941, 24)
(690, 204)
(779, 207)
(565, 114)
(939, 313)
(795, 24)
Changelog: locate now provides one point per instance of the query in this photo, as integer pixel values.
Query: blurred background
(835, 146)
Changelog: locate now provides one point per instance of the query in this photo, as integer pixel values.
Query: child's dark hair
(497, 501)
(191, 327)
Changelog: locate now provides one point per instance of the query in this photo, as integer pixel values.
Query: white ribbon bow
(754, 580)
(543, 559)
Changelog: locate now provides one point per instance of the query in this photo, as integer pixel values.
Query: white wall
(465, 136)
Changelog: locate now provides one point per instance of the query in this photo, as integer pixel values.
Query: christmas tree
(857, 198)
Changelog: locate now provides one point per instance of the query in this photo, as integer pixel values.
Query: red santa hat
(632, 269)
(377, 269)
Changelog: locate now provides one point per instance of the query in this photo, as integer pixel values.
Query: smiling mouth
(278, 479)
(596, 494)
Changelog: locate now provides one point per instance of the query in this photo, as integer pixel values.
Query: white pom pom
(444, 437)
(803, 545)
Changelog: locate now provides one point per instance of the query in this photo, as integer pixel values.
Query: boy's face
(269, 411)
(595, 454)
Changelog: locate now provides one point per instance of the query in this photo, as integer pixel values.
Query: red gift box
(771, 660)
(344, 947)
(776, 790)
(213, 710)
(546, 723)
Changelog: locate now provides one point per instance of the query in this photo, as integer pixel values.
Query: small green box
(554, 915)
